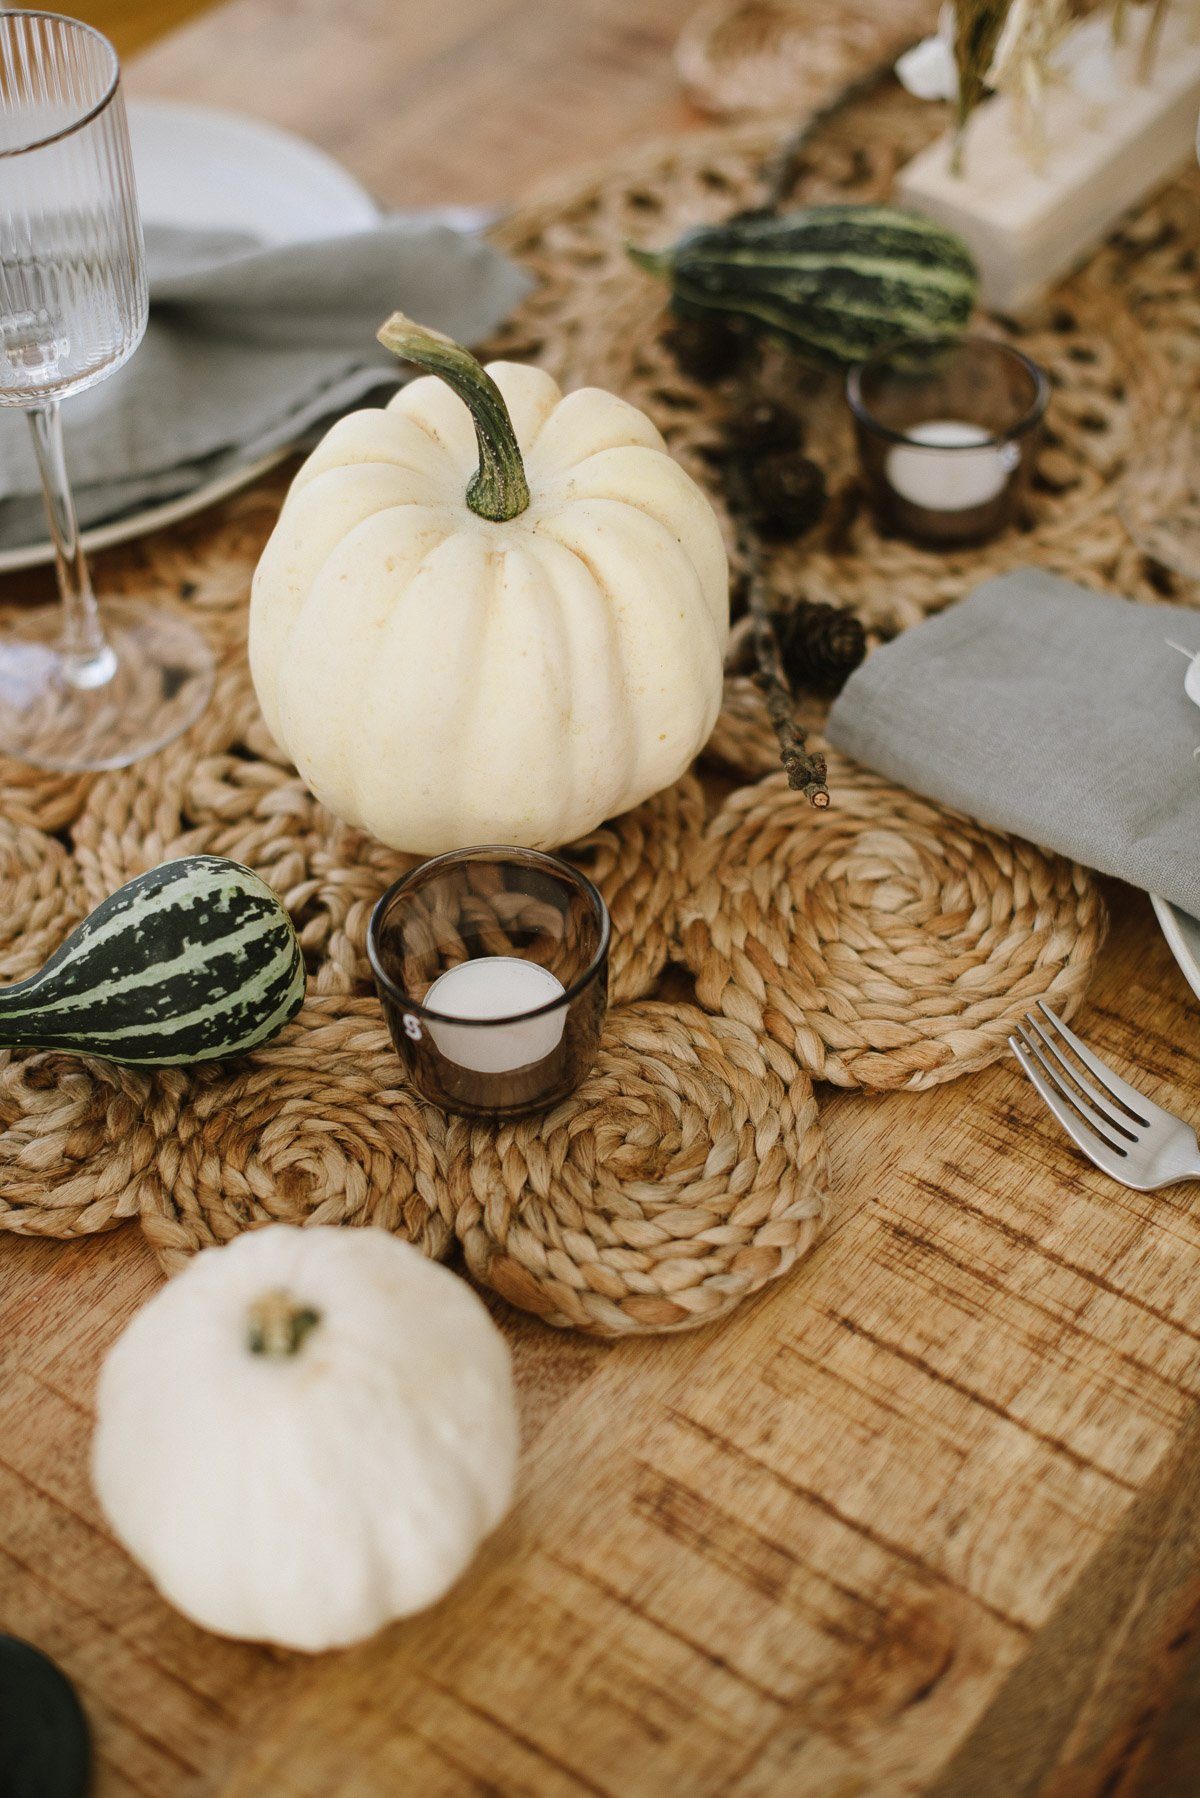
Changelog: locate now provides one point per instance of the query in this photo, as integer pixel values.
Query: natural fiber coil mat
(41, 897)
(77, 1140)
(316, 1128)
(686, 1173)
(742, 741)
(36, 797)
(884, 942)
(642, 864)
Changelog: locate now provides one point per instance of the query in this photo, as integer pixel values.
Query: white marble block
(1029, 224)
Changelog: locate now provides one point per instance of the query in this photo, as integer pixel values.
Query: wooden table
(925, 1518)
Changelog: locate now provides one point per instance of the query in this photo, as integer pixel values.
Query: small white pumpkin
(512, 652)
(306, 1434)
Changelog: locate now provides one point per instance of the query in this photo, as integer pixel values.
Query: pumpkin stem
(279, 1324)
(655, 262)
(498, 489)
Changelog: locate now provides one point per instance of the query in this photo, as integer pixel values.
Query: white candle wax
(965, 475)
(501, 987)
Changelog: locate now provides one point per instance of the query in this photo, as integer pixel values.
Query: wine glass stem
(88, 659)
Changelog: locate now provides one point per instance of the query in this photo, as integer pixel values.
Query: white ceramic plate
(201, 166)
(1183, 937)
(210, 169)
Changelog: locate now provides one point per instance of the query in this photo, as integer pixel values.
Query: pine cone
(762, 427)
(821, 646)
(782, 495)
(707, 349)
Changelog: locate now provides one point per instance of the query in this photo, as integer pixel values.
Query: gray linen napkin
(1051, 712)
(246, 350)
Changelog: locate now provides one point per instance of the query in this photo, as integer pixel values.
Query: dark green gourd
(191, 962)
(832, 283)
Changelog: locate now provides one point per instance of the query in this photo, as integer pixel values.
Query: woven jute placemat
(688, 1171)
(318, 1127)
(894, 944)
(78, 1141)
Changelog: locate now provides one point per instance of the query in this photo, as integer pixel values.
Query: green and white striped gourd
(193, 961)
(832, 283)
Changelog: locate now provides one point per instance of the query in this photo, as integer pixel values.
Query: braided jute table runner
(896, 945)
(317, 1126)
(688, 1171)
(881, 943)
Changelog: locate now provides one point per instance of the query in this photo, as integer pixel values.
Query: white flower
(1086, 58)
(928, 70)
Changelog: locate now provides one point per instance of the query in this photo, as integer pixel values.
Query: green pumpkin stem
(278, 1325)
(498, 489)
(658, 263)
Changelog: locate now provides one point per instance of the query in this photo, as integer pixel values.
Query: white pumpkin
(512, 654)
(306, 1434)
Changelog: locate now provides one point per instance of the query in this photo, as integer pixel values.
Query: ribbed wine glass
(78, 688)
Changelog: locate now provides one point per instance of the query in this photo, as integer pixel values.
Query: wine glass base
(55, 716)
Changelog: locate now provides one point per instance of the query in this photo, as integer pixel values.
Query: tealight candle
(946, 430)
(496, 989)
(956, 479)
(491, 965)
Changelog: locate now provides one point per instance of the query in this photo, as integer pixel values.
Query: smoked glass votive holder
(947, 433)
(492, 969)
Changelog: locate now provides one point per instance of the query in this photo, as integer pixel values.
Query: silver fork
(1126, 1134)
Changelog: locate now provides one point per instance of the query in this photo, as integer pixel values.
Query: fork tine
(1098, 1122)
(1093, 1146)
(1110, 1081)
(1113, 1121)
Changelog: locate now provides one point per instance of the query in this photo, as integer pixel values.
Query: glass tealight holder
(947, 433)
(492, 969)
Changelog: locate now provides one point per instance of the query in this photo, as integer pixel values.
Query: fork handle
(1188, 1169)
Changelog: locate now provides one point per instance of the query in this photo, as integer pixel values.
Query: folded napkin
(246, 350)
(1051, 712)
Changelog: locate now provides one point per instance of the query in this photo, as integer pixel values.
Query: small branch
(805, 768)
(780, 175)
(977, 28)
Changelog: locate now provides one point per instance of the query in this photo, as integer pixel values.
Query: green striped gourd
(832, 283)
(191, 962)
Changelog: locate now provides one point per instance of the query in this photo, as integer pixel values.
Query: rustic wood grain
(131, 24)
(925, 1518)
(468, 101)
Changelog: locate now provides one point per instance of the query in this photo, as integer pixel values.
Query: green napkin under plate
(1050, 711)
(247, 350)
